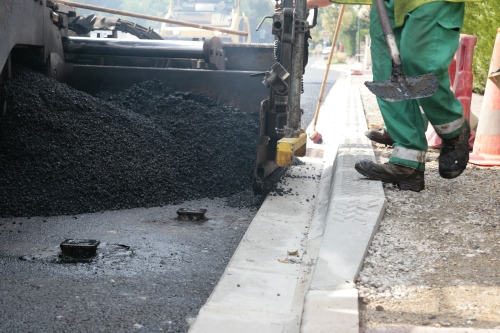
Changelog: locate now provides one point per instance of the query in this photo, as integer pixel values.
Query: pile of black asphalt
(65, 152)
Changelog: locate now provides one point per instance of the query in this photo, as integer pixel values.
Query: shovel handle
(390, 39)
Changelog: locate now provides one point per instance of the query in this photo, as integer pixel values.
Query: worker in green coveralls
(427, 33)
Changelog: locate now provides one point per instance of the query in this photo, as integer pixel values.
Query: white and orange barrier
(486, 149)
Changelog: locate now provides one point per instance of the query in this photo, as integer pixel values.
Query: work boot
(380, 136)
(454, 154)
(404, 177)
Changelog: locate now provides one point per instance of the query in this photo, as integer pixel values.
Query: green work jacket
(401, 7)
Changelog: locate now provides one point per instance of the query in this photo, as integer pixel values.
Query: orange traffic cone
(486, 149)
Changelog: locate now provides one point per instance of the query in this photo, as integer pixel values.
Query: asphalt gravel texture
(65, 152)
(168, 269)
(152, 272)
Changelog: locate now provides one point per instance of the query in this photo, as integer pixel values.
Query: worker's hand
(319, 3)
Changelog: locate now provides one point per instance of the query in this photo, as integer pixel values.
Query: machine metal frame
(227, 72)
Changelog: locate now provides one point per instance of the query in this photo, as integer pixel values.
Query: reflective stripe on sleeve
(449, 127)
(408, 154)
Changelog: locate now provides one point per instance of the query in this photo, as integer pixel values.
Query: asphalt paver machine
(51, 37)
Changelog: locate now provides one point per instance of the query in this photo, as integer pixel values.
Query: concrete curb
(263, 288)
(356, 208)
(316, 292)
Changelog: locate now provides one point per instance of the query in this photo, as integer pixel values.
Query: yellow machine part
(289, 147)
(238, 21)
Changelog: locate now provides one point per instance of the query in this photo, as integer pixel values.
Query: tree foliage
(348, 34)
(482, 19)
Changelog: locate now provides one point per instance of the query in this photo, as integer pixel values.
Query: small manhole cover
(79, 248)
(191, 214)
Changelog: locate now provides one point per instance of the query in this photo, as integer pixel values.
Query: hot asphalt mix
(63, 151)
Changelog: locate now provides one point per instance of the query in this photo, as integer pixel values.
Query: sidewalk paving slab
(258, 292)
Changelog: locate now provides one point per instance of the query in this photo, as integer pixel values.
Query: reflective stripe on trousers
(449, 127)
(408, 154)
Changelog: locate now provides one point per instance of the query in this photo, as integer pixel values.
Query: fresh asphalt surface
(312, 84)
(152, 272)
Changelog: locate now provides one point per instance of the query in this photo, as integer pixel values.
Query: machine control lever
(275, 79)
(315, 18)
(261, 22)
(258, 74)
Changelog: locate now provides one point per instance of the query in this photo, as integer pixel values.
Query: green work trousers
(427, 41)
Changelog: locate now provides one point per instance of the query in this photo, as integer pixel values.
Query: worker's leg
(429, 41)
(403, 119)
(438, 26)
(383, 137)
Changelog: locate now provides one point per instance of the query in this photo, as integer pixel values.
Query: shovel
(399, 87)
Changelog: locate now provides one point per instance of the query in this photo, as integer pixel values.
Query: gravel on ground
(435, 259)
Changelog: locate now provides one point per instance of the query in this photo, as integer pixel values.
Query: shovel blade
(405, 88)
